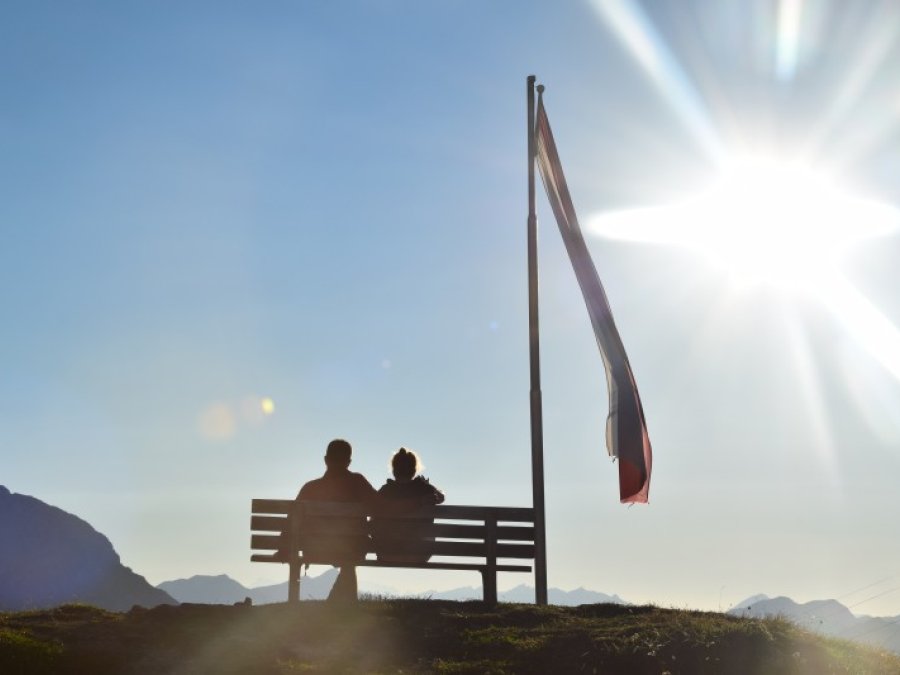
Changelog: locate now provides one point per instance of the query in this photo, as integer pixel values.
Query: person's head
(337, 456)
(405, 464)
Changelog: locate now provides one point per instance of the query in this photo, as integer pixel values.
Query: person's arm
(365, 492)
(431, 496)
(438, 495)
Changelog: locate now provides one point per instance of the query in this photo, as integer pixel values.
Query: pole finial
(540, 89)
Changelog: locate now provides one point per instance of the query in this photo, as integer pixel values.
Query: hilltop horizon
(82, 552)
(316, 586)
(509, 586)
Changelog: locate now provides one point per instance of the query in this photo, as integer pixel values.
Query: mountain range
(525, 593)
(49, 557)
(828, 617)
(222, 589)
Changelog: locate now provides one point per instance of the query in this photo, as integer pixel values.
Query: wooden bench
(459, 538)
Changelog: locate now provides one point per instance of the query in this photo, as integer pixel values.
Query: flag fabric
(626, 430)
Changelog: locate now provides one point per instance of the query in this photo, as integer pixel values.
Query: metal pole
(537, 423)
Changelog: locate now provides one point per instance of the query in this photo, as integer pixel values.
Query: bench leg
(489, 584)
(294, 582)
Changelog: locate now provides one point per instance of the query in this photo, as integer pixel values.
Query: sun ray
(787, 42)
(634, 29)
(811, 392)
(860, 141)
(868, 326)
(880, 38)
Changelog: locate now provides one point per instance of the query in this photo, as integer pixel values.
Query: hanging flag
(626, 430)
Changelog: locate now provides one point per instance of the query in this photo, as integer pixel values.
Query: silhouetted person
(339, 484)
(407, 491)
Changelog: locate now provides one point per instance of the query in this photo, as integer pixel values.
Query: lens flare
(267, 405)
(217, 422)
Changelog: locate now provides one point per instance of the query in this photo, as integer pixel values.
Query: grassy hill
(412, 636)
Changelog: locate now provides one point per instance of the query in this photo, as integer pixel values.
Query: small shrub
(22, 653)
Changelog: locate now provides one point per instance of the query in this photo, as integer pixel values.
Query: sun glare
(764, 221)
(779, 224)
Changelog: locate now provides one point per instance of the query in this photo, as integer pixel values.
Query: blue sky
(206, 204)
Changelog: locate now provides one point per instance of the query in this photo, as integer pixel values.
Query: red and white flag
(626, 430)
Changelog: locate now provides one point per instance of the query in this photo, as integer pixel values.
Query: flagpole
(537, 423)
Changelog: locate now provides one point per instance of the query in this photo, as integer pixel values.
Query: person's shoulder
(395, 490)
(309, 488)
(361, 481)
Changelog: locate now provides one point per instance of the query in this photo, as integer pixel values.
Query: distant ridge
(49, 557)
(223, 590)
(524, 593)
(828, 617)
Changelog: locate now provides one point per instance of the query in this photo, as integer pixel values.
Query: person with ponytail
(407, 491)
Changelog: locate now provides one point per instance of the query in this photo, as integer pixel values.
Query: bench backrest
(488, 532)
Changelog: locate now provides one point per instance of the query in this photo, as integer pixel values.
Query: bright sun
(781, 224)
(764, 221)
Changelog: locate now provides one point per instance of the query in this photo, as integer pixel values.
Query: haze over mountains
(49, 557)
(828, 617)
(222, 589)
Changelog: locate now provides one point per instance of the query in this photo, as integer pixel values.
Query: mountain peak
(49, 557)
(748, 602)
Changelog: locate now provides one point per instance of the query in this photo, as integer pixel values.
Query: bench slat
(479, 549)
(429, 565)
(272, 542)
(454, 531)
(451, 512)
(470, 549)
(277, 524)
(444, 566)
(268, 523)
(444, 512)
(273, 506)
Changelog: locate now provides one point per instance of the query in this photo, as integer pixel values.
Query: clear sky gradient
(323, 203)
